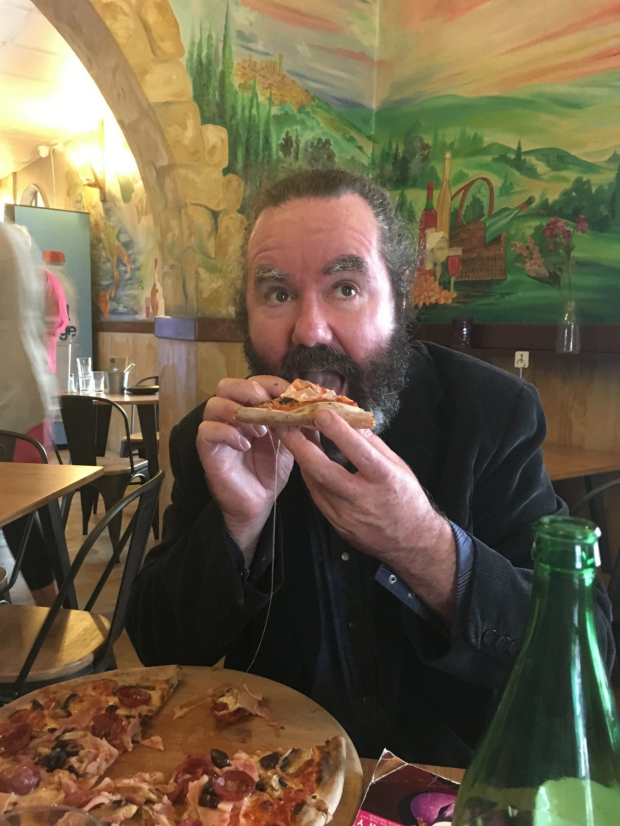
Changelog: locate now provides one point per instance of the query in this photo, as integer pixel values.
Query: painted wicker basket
(480, 261)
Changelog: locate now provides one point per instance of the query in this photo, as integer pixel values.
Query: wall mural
(507, 156)
(124, 270)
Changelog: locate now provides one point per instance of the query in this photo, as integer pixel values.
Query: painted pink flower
(566, 234)
(582, 224)
(551, 247)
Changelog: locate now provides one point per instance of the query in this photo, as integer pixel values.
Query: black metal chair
(48, 661)
(8, 441)
(612, 567)
(79, 417)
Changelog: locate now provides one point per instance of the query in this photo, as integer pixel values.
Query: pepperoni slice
(133, 696)
(233, 785)
(224, 715)
(20, 779)
(14, 738)
(107, 725)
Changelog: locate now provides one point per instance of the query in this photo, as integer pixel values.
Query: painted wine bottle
(498, 221)
(444, 200)
(428, 221)
(551, 756)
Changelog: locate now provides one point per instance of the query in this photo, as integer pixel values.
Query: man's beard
(375, 385)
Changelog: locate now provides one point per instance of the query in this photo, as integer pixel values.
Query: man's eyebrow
(267, 272)
(346, 263)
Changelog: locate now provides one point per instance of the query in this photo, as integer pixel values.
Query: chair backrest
(8, 438)
(79, 417)
(148, 378)
(136, 533)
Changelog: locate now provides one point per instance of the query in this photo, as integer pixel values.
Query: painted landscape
(286, 86)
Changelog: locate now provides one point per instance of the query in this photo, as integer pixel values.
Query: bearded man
(402, 569)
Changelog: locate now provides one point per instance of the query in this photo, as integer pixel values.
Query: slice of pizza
(288, 787)
(76, 730)
(300, 403)
(233, 704)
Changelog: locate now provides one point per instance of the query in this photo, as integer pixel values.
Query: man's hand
(239, 460)
(382, 510)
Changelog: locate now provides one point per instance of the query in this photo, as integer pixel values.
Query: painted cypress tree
(199, 87)
(252, 135)
(191, 56)
(210, 81)
(617, 199)
(267, 148)
(296, 147)
(519, 156)
(227, 86)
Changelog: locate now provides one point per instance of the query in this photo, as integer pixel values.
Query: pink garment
(56, 314)
(25, 452)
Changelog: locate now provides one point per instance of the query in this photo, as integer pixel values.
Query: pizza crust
(304, 416)
(333, 767)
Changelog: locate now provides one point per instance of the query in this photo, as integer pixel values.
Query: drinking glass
(71, 383)
(47, 815)
(100, 378)
(87, 384)
(84, 366)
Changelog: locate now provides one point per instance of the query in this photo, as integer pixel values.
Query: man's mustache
(302, 360)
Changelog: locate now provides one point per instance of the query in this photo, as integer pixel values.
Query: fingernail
(244, 443)
(365, 432)
(261, 430)
(282, 431)
(323, 418)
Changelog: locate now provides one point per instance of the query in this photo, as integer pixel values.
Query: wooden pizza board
(303, 724)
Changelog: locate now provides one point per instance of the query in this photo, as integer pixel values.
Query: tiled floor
(88, 576)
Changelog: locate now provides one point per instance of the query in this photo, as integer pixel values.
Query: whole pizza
(58, 743)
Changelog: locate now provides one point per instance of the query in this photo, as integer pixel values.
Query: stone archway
(133, 53)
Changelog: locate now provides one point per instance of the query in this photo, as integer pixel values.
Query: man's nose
(311, 325)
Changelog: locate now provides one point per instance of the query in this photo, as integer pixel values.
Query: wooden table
(303, 724)
(29, 488)
(572, 462)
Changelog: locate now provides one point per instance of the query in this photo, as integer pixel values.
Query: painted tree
(227, 102)
(401, 205)
(191, 56)
(616, 200)
(252, 134)
(286, 145)
(197, 78)
(296, 148)
(267, 148)
(210, 81)
(519, 155)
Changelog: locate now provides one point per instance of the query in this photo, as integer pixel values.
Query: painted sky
(329, 46)
(487, 47)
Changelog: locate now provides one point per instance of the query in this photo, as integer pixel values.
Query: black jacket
(472, 434)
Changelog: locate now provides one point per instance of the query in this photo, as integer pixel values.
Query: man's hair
(398, 254)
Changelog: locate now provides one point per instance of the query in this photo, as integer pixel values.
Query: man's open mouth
(328, 379)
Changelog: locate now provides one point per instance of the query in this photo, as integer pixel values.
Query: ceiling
(46, 95)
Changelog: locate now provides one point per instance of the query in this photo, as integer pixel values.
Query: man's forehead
(329, 225)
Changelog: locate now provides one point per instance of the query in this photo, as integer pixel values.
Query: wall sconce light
(88, 160)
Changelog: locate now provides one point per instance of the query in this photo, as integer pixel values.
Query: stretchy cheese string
(276, 450)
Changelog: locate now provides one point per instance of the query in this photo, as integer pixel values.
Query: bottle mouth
(568, 528)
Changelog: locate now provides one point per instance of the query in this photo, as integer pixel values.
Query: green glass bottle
(551, 755)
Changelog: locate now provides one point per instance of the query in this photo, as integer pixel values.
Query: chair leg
(96, 502)
(87, 495)
(112, 489)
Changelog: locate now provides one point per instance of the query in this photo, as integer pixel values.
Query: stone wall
(133, 52)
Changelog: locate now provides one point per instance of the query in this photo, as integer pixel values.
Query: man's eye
(346, 290)
(278, 296)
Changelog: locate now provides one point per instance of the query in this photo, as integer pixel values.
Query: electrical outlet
(522, 359)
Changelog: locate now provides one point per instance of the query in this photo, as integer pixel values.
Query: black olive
(118, 803)
(73, 770)
(52, 729)
(260, 786)
(67, 702)
(209, 801)
(283, 783)
(145, 718)
(208, 787)
(285, 400)
(219, 759)
(56, 759)
(112, 708)
(270, 761)
(36, 705)
(297, 808)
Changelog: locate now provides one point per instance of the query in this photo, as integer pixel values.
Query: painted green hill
(561, 160)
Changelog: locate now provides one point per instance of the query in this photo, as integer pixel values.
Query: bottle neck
(429, 196)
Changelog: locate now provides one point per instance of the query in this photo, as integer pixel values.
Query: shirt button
(345, 556)
(367, 699)
(392, 579)
(502, 643)
(488, 638)
(352, 626)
